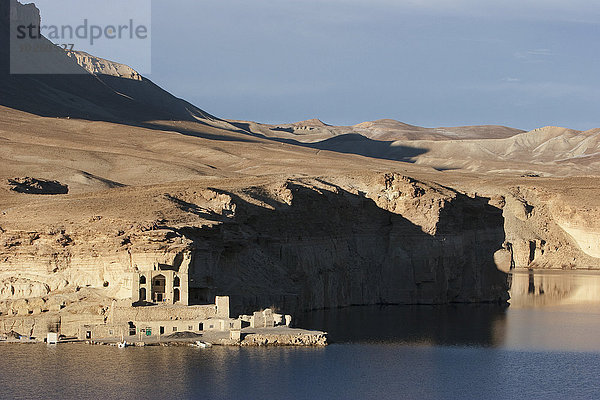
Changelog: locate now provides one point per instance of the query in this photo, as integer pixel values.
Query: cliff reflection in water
(548, 288)
(453, 325)
(549, 310)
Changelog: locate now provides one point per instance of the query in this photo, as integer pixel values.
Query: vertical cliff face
(312, 244)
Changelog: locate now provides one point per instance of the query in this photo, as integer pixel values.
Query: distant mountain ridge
(485, 148)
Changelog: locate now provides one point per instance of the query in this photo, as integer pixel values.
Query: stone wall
(162, 313)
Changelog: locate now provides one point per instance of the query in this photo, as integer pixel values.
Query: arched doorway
(142, 294)
(159, 284)
(175, 295)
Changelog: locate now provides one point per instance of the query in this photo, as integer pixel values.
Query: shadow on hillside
(194, 209)
(333, 248)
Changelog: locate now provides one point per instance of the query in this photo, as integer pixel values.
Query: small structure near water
(161, 311)
(166, 323)
(161, 320)
(159, 304)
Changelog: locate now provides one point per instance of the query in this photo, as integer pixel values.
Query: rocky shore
(278, 336)
(284, 337)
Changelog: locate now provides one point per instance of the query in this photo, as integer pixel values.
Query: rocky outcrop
(547, 229)
(99, 66)
(37, 186)
(318, 339)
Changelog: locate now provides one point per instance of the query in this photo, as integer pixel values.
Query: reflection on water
(554, 310)
(549, 311)
(76, 371)
(544, 288)
(466, 325)
(343, 371)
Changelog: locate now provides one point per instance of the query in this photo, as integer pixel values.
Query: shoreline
(280, 336)
(555, 271)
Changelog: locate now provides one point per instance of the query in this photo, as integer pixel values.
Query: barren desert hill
(389, 129)
(98, 155)
(549, 151)
(314, 130)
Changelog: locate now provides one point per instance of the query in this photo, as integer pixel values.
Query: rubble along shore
(278, 336)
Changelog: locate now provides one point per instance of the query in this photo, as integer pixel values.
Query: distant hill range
(488, 148)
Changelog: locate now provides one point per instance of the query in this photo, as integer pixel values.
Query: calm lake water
(546, 346)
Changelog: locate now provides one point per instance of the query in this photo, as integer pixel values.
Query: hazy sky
(525, 63)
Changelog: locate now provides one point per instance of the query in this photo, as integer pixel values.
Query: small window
(132, 329)
(190, 328)
(211, 326)
(88, 334)
(176, 282)
(174, 329)
(162, 330)
(110, 332)
(231, 324)
(142, 280)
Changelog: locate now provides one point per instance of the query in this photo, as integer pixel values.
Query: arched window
(142, 280)
(142, 294)
(176, 282)
(175, 295)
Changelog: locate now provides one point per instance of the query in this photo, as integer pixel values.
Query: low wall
(162, 313)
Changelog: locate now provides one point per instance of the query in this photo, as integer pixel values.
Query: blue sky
(525, 64)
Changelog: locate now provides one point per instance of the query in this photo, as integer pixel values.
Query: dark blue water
(341, 371)
(453, 352)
